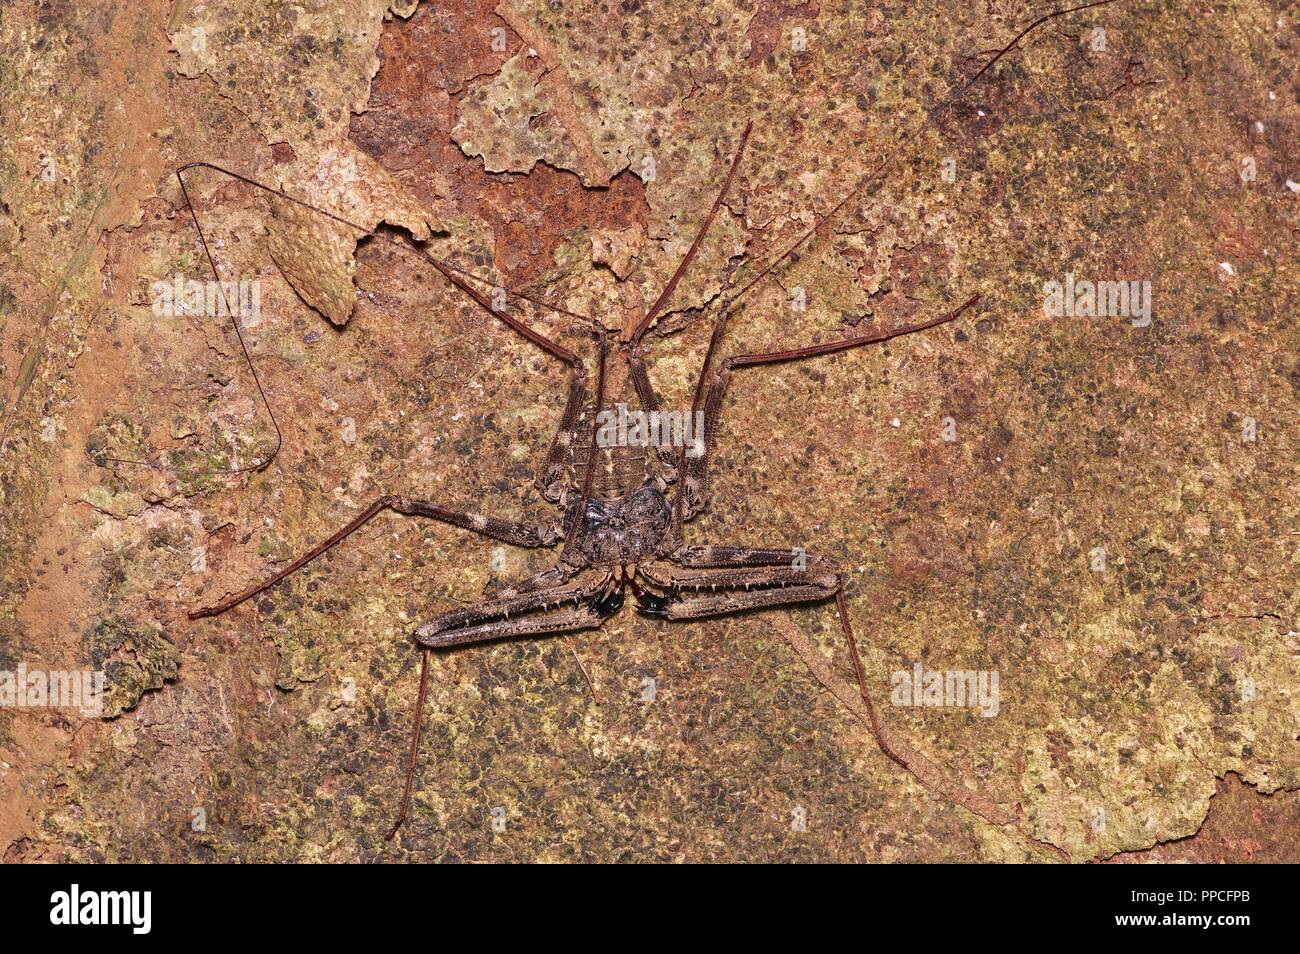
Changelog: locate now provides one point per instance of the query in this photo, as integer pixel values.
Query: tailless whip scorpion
(619, 511)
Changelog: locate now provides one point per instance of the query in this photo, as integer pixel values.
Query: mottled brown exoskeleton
(620, 510)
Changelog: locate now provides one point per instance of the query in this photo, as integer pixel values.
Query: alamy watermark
(957, 688)
(80, 689)
(133, 909)
(1082, 298)
(624, 428)
(241, 299)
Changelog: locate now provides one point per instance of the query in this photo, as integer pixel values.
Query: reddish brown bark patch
(1242, 825)
(771, 22)
(407, 127)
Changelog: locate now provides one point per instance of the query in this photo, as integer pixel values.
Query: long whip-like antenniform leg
(764, 271)
(239, 334)
(860, 674)
(689, 257)
(415, 745)
(635, 358)
(819, 221)
(449, 272)
(519, 534)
